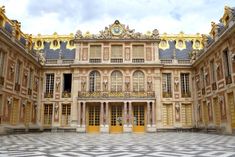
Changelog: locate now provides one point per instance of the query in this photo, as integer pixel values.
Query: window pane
(138, 51)
(116, 51)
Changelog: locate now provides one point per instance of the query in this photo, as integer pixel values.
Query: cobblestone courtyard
(107, 145)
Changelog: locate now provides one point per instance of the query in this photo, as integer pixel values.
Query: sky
(67, 16)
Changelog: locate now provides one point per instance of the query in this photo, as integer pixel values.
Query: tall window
(212, 68)
(67, 83)
(185, 84)
(2, 55)
(226, 63)
(95, 53)
(49, 83)
(95, 81)
(18, 72)
(30, 79)
(202, 77)
(116, 81)
(116, 54)
(166, 84)
(138, 53)
(138, 81)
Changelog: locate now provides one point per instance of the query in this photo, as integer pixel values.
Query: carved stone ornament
(9, 100)
(117, 31)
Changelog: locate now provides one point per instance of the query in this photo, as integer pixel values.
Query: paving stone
(114, 145)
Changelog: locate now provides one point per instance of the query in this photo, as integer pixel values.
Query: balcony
(59, 61)
(29, 91)
(116, 60)
(17, 87)
(167, 94)
(120, 95)
(186, 94)
(166, 61)
(66, 94)
(1, 81)
(137, 60)
(97, 60)
(183, 61)
(214, 86)
(228, 79)
(48, 95)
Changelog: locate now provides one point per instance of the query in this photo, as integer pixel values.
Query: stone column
(153, 115)
(130, 114)
(107, 114)
(125, 113)
(79, 114)
(102, 113)
(127, 127)
(148, 114)
(84, 114)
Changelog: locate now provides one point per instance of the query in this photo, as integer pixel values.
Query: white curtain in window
(138, 81)
(116, 81)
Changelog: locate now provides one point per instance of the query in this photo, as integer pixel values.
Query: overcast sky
(67, 16)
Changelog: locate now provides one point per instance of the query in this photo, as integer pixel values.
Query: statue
(78, 34)
(155, 34)
(105, 34)
(41, 59)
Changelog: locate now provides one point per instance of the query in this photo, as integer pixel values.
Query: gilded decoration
(117, 31)
(228, 14)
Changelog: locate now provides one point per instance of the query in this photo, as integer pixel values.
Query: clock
(116, 30)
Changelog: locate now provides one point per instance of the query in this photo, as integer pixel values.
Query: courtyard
(106, 145)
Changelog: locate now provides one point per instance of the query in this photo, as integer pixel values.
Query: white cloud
(171, 16)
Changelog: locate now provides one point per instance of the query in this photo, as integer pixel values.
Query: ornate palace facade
(118, 80)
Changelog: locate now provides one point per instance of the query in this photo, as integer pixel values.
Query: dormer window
(1, 21)
(180, 43)
(55, 43)
(71, 43)
(17, 35)
(39, 43)
(197, 44)
(226, 20)
(163, 43)
(213, 34)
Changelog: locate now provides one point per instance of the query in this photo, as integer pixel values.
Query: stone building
(118, 80)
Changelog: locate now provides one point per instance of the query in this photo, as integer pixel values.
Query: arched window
(95, 81)
(116, 81)
(138, 81)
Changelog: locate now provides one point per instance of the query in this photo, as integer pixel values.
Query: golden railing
(66, 94)
(114, 94)
(48, 95)
(186, 94)
(167, 94)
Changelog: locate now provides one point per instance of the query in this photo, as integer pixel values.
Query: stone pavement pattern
(110, 145)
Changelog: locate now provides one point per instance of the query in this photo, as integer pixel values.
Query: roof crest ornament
(118, 31)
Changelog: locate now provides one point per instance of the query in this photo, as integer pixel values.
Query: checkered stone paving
(114, 145)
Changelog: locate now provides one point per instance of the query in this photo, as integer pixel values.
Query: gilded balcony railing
(114, 94)
(66, 94)
(48, 95)
(228, 79)
(167, 94)
(186, 94)
(214, 86)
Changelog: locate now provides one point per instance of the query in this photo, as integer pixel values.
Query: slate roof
(55, 54)
(179, 54)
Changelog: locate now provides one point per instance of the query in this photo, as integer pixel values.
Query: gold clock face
(117, 30)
